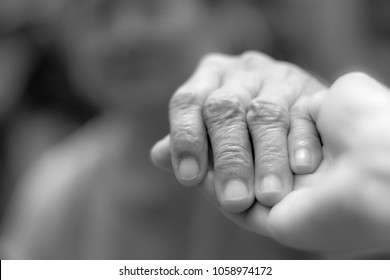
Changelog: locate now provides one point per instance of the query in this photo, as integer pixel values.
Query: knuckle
(255, 55)
(184, 99)
(288, 68)
(186, 128)
(267, 114)
(218, 110)
(213, 58)
(251, 59)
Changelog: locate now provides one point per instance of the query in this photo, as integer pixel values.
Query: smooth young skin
(236, 99)
(344, 205)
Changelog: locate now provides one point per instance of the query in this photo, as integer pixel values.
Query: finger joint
(267, 114)
(224, 110)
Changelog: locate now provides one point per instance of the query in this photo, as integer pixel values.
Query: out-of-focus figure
(97, 195)
(38, 106)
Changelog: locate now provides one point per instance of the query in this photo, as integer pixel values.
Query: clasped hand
(282, 155)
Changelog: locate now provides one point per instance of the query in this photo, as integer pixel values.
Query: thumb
(160, 154)
(353, 113)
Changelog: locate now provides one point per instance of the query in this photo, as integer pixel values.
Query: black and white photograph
(195, 130)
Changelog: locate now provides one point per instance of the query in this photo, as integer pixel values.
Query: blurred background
(84, 90)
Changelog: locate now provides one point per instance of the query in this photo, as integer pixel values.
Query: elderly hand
(236, 101)
(344, 205)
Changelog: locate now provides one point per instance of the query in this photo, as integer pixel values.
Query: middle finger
(225, 118)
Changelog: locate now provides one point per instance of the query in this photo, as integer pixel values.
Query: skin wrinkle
(223, 175)
(219, 109)
(182, 102)
(301, 135)
(226, 129)
(232, 155)
(228, 155)
(224, 117)
(267, 120)
(262, 113)
(268, 162)
(219, 127)
(186, 140)
(275, 154)
(183, 107)
(303, 140)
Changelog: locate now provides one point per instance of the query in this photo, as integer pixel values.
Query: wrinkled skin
(343, 206)
(236, 99)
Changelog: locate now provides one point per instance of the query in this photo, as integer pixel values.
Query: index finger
(189, 146)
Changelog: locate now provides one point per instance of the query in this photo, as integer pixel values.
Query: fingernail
(271, 183)
(235, 190)
(270, 191)
(188, 168)
(302, 157)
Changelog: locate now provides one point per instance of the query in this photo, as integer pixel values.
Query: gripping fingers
(255, 219)
(305, 149)
(268, 124)
(270, 121)
(224, 114)
(189, 147)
